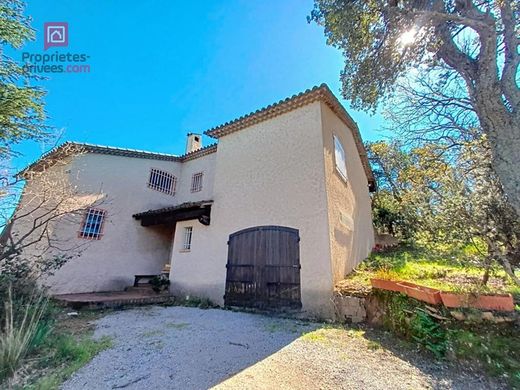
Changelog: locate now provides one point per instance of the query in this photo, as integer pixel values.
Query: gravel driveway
(188, 348)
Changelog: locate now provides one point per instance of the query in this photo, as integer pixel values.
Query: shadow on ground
(180, 347)
(189, 348)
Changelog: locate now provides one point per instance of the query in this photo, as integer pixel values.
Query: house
(273, 215)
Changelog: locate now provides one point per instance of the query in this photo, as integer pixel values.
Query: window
(92, 225)
(188, 233)
(162, 181)
(341, 162)
(196, 182)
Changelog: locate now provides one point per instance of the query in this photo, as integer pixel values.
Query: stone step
(143, 288)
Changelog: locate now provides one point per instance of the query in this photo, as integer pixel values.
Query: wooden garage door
(263, 268)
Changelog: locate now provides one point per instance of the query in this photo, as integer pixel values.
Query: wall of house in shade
(125, 248)
(348, 201)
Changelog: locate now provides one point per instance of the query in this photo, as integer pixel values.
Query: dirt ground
(189, 348)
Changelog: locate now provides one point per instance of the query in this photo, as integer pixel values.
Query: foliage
(494, 347)
(18, 335)
(464, 54)
(56, 349)
(383, 40)
(439, 197)
(445, 268)
(499, 352)
(65, 354)
(427, 332)
(22, 114)
(405, 317)
(160, 283)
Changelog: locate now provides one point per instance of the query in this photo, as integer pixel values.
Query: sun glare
(408, 37)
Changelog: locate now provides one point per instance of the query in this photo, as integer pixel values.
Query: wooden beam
(172, 217)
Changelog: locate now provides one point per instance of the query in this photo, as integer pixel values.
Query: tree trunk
(509, 270)
(503, 132)
(505, 148)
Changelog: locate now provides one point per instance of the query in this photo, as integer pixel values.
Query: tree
(22, 114)
(383, 41)
(449, 199)
(26, 236)
(30, 245)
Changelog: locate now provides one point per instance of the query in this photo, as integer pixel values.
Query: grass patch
(444, 270)
(201, 303)
(374, 345)
(181, 325)
(61, 345)
(316, 336)
(21, 333)
(281, 326)
(152, 333)
(356, 333)
(494, 347)
(67, 355)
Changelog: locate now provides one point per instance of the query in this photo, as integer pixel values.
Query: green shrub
(496, 348)
(160, 283)
(498, 353)
(66, 355)
(19, 335)
(427, 332)
(201, 303)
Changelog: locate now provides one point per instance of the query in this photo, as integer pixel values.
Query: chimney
(194, 142)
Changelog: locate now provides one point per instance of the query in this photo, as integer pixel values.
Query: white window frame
(188, 236)
(340, 158)
(162, 181)
(196, 181)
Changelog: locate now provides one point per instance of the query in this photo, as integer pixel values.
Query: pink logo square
(55, 34)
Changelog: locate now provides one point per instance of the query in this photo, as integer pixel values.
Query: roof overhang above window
(172, 215)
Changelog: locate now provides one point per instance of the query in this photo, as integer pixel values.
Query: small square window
(162, 181)
(196, 182)
(339, 155)
(92, 225)
(188, 233)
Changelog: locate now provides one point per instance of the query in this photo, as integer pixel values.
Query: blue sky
(160, 69)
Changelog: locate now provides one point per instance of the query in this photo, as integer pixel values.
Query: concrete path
(187, 348)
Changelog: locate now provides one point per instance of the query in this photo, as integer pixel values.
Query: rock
(488, 316)
(475, 317)
(501, 320)
(350, 309)
(431, 309)
(459, 316)
(73, 314)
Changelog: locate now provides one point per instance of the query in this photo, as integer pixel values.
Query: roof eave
(319, 93)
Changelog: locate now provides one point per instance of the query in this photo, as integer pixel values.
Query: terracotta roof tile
(182, 206)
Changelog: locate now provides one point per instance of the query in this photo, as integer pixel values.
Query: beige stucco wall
(126, 248)
(204, 164)
(268, 174)
(349, 208)
(277, 172)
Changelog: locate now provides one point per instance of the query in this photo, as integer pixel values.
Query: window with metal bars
(92, 226)
(196, 182)
(188, 233)
(162, 181)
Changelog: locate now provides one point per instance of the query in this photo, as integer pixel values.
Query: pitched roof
(70, 148)
(318, 93)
